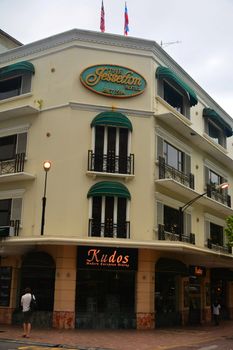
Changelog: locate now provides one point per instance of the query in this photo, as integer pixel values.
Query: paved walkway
(159, 339)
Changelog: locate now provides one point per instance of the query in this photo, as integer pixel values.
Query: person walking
(216, 312)
(27, 311)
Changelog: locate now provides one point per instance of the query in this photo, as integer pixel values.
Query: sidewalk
(120, 339)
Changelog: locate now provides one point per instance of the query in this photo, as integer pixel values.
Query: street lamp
(46, 166)
(222, 186)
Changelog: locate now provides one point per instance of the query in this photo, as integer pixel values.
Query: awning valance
(19, 67)
(109, 188)
(173, 266)
(166, 73)
(210, 113)
(112, 118)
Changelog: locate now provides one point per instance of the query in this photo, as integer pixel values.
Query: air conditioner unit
(7, 231)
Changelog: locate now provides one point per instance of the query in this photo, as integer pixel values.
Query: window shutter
(187, 164)
(159, 147)
(206, 174)
(16, 208)
(21, 143)
(207, 231)
(187, 223)
(160, 216)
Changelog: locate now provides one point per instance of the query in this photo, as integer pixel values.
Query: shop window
(15, 85)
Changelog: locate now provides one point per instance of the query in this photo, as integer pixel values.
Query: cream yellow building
(126, 228)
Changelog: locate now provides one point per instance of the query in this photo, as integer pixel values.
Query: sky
(198, 34)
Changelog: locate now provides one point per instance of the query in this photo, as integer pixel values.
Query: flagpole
(102, 18)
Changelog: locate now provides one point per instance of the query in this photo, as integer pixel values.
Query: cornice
(137, 46)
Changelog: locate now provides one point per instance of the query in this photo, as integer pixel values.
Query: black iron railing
(167, 171)
(173, 236)
(110, 163)
(218, 195)
(11, 230)
(14, 165)
(218, 247)
(109, 229)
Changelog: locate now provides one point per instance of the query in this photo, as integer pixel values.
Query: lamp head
(47, 165)
(222, 186)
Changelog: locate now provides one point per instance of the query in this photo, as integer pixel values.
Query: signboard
(5, 285)
(198, 271)
(107, 258)
(113, 81)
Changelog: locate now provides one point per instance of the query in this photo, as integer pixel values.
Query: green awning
(166, 73)
(17, 68)
(112, 118)
(107, 188)
(172, 266)
(210, 113)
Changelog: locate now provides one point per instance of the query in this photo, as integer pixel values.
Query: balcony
(108, 229)
(169, 116)
(13, 169)
(11, 230)
(167, 171)
(218, 195)
(172, 235)
(219, 248)
(110, 164)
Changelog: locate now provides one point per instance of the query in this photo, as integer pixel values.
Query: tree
(229, 230)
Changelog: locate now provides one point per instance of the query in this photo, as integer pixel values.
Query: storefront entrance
(105, 290)
(194, 301)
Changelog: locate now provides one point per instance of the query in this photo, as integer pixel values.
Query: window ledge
(96, 174)
(15, 98)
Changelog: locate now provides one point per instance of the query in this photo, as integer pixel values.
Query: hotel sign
(107, 258)
(113, 81)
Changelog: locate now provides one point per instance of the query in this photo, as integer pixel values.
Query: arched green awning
(109, 188)
(210, 113)
(112, 118)
(19, 67)
(166, 73)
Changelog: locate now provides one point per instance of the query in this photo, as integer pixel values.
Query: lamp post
(46, 166)
(222, 186)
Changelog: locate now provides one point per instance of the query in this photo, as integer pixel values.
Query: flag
(102, 19)
(126, 27)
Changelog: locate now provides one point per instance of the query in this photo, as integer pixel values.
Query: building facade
(126, 229)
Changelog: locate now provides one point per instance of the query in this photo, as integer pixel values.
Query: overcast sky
(203, 28)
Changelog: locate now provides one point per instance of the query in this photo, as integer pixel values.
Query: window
(173, 97)
(216, 234)
(109, 210)
(109, 217)
(12, 145)
(10, 216)
(173, 156)
(111, 147)
(171, 220)
(15, 79)
(215, 132)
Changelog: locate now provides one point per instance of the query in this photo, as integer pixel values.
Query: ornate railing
(173, 236)
(167, 171)
(11, 230)
(111, 163)
(12, 166)
(218, 195)
(108, 229)
(219, 248)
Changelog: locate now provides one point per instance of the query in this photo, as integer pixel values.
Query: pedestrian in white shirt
(216, 312)
(27, 312)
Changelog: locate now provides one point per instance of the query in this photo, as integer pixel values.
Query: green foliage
(229, 229)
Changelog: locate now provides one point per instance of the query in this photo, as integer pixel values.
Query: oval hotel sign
(113, 81)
